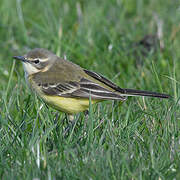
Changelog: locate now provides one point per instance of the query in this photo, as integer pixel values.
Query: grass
(138, 140)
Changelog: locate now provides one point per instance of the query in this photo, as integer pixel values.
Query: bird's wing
(84, 88)
(105, 81)
(125, 92)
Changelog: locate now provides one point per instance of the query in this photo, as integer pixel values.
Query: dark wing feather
(83, 89)
(125, 92)
(104, 81)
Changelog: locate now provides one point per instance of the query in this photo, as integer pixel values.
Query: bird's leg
(71, 121)
(56, 121)
(86, 113)
(57, 117)
(71, 117)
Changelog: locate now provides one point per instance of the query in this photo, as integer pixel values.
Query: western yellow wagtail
(68, 87)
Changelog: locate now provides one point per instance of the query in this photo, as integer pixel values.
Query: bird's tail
(133, 92)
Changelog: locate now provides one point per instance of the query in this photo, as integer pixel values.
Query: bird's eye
(36, 61)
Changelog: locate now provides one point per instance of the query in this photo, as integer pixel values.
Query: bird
(69, 88)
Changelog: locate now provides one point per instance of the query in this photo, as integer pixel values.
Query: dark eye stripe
(36, 61)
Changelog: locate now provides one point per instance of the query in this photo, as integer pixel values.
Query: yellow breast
(68, 105)
(64, 104)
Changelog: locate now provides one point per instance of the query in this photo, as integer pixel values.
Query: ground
(134, 43)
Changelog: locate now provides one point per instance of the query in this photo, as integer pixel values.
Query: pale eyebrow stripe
(43, 60)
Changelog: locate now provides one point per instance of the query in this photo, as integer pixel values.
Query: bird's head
(37, 60)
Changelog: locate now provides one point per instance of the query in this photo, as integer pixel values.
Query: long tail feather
(133, 92)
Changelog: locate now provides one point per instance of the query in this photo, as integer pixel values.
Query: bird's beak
(21, 58)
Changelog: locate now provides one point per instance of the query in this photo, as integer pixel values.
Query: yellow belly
(68, 105)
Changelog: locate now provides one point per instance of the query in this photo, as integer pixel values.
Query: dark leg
(71, 121)
(86, 113)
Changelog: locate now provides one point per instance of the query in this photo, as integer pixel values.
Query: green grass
(138, 140)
